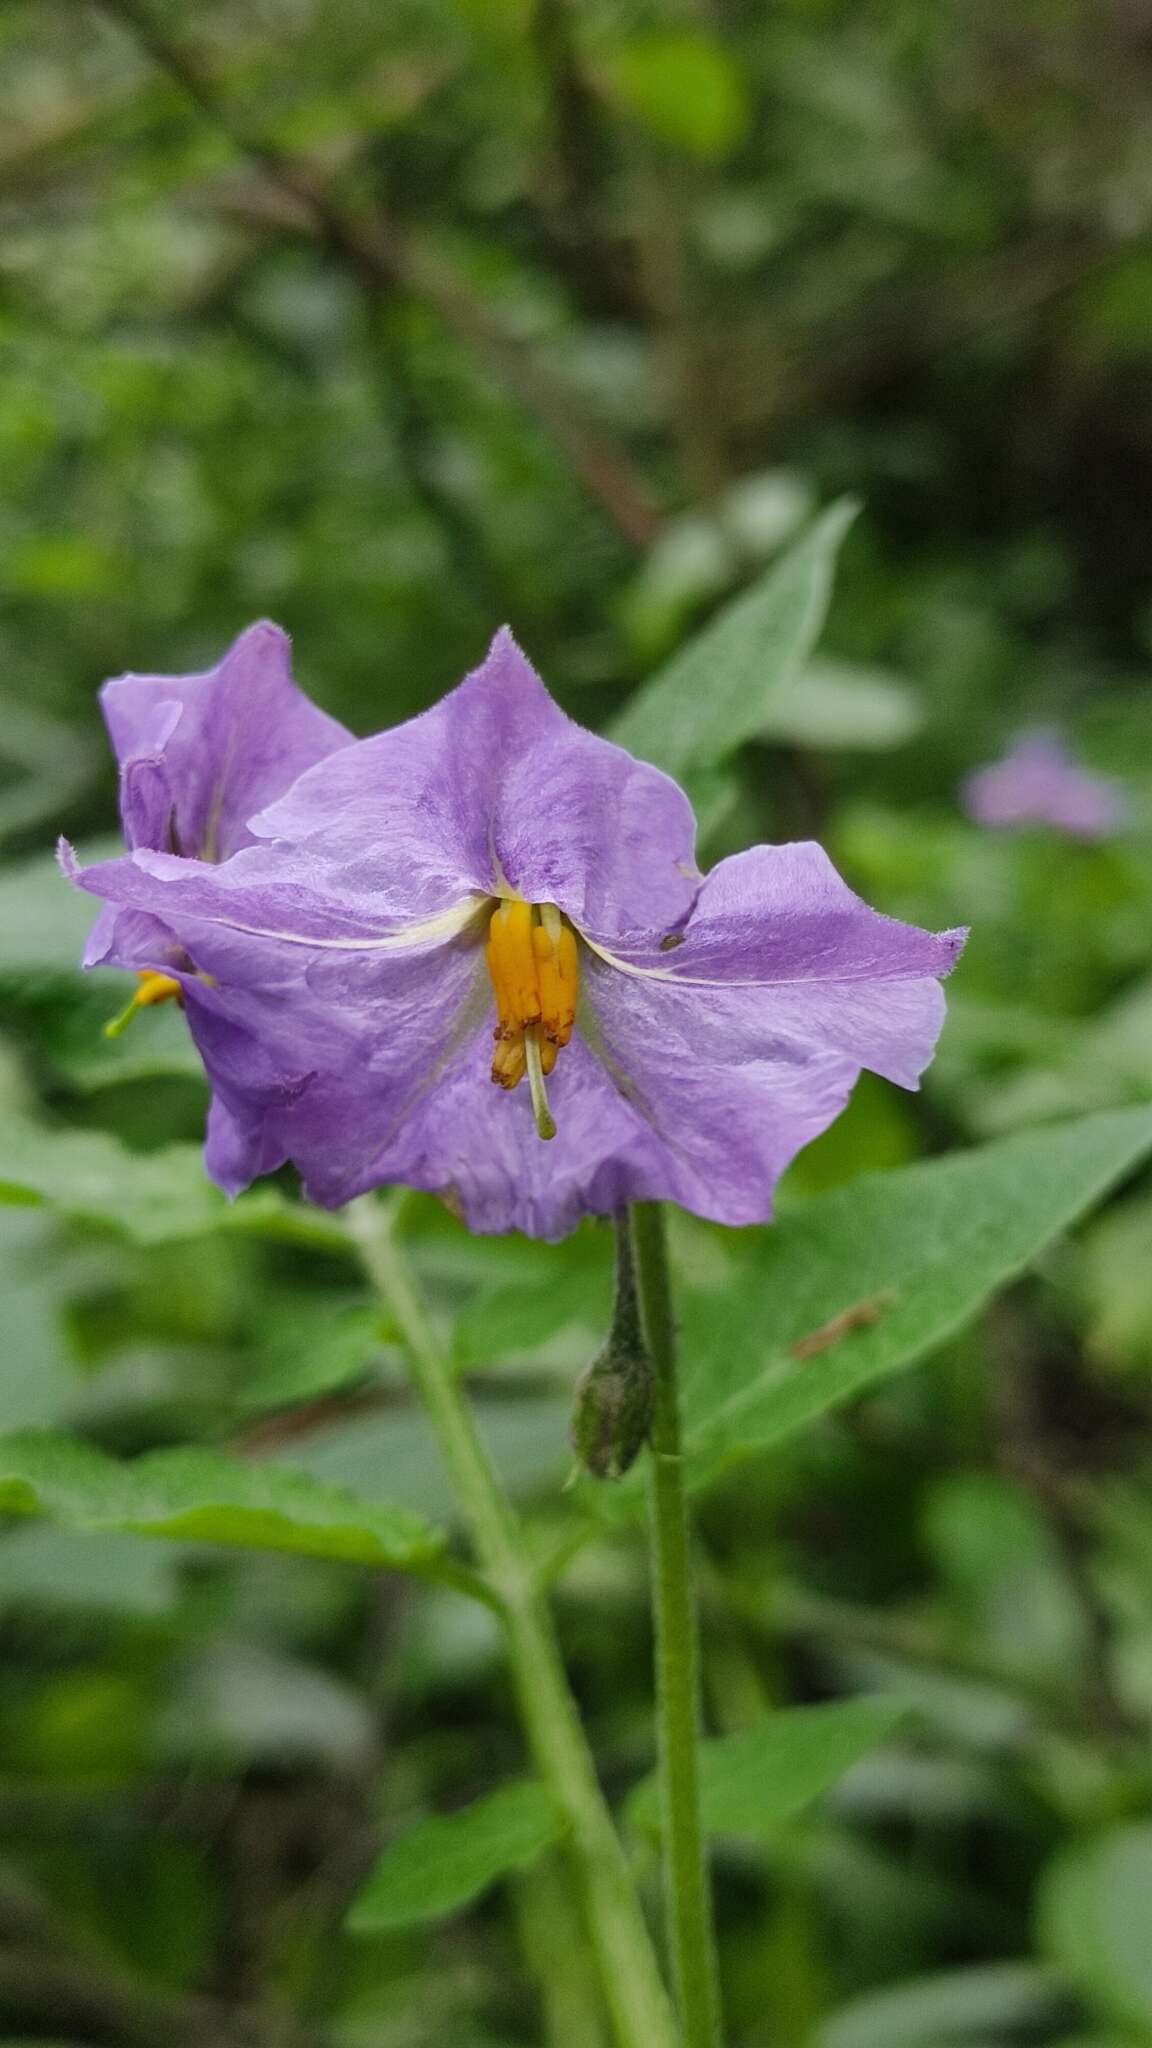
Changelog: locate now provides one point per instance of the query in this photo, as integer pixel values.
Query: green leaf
(204, 1496)
(36, 1381)
(560, 1312)
(90, 1175)
(310, 1347)
(44, 919)
(682, 86)
(1095, 1921)
(868, 1278)
(755, 1782)
(396, 1454)
(841, 704)
(444, 1863)
(43, 1568)
(151, 1197)
(158, 1047)
(982, 2003)
(723, 687)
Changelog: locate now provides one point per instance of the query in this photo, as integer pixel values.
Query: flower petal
(328, 1073)
(477, 1145)
(239, 1145)
(732, 1082)
(495, 788)
(639, 1115)
(263, 892)
(781, 915)
(199, 753)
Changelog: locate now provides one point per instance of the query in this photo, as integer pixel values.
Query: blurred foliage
(589, 314)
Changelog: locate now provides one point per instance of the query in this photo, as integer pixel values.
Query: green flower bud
(612, 1413)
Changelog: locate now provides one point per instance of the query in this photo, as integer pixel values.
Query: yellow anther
(509, 1061)
(533, 962)
(557, 974)
(512, 967)
(154, 988)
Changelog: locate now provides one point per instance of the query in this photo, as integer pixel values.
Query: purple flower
(487, 895)
(1038, 782)
(198, 755)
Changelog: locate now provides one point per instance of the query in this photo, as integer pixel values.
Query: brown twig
(859, 1316)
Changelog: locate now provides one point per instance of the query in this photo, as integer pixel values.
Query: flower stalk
(688, 1900)
(633, 1987)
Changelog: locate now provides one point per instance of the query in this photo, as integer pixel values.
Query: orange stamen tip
(154, 988)
(532, 959)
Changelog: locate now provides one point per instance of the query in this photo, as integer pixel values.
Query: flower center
(531, 955)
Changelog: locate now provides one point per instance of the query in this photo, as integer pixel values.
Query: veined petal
(380, 1036)
(779, 916)
(741, 1042)
(477, 1146)
(263, 892)
(199, 753)
(314, 1050)
(732, 1087)
(495, 789)
(710, 1136)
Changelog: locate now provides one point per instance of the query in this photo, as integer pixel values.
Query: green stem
(554, 1942)
(632, 1983)
(677, 1661)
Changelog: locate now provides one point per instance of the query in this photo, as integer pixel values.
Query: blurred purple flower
(1039, 782)
(491, 871)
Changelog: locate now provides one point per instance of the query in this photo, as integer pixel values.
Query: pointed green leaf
(853, 1285)
(755, 1782)
(443, 1863)
(205, 1496)
(721, 689)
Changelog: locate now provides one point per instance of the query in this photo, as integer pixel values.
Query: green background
(395, 323)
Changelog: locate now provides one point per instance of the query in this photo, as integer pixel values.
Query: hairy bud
(612, 1413)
